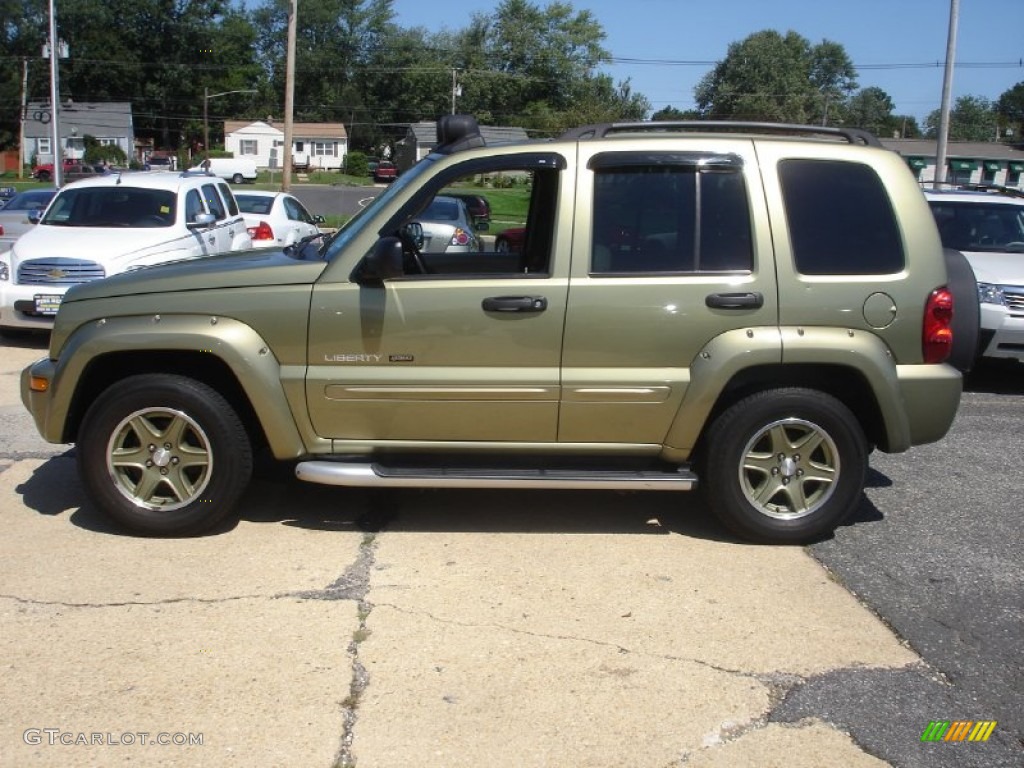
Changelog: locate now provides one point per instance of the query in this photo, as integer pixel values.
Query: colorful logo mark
(958, 730)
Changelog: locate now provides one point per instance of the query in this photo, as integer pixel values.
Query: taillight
(262, 232)
(937, 338)
(459, 237)
(1, 229)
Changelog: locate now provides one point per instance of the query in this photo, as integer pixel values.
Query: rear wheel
(164, 455)
(785, 466)
(237, 179)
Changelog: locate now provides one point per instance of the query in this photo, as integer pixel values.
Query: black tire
(785, 466)
(966, 311)
(184, 476)
(237, 178)
(501, 245)
(43, 176)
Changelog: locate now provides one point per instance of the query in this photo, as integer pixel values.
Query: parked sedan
(276, 219)
(447, 227)
(14, 216)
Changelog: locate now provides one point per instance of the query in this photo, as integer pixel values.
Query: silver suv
(986, 224)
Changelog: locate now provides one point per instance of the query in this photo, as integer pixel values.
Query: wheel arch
(228, 356)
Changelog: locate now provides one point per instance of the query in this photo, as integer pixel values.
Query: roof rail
(953, 186)
(600, 130)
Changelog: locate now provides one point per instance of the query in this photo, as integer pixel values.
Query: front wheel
(163, 455)
(785, 466)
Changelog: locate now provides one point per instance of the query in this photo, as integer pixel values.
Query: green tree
(1010, 111)
(972, 118)
(870, 109)
(768, 76)
(671, 113)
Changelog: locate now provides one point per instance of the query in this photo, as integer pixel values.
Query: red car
(385, 171)
(511, 240)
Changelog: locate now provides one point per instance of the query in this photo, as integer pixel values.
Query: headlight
(5, 269)
(989, 293)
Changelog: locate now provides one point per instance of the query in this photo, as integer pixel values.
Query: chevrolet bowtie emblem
(57, 274)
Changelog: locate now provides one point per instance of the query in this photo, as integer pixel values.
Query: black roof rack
(600, 130)
(953, 186)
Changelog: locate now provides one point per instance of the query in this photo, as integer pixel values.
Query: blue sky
(886, 38)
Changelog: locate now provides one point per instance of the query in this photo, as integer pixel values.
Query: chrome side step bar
(381, 476)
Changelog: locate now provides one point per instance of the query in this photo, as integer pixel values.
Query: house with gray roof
(967, 162)
(108, 122)
(422, 137)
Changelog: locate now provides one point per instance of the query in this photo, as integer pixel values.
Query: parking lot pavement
(530, 628)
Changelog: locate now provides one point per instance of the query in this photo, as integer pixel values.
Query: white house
(107, 122)
(316, 145)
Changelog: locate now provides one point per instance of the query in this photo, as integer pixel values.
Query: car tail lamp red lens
(262, 232)
(459, 237)
(937, 341)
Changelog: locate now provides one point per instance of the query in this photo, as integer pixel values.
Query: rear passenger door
(670, 252)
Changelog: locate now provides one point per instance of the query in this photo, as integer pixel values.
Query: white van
(234, 169)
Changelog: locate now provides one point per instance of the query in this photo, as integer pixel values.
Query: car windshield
(355, 225)
(114, 206)
(31, 200)
(980, 227)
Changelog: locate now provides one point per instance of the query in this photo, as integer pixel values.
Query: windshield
(31, 200)
(356, 224)
(980, 227)
(118, 206)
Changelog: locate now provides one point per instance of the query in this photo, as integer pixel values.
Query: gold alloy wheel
(159, 459)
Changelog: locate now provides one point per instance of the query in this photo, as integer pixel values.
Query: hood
(97, 243)
(997, 268)
(236, 270)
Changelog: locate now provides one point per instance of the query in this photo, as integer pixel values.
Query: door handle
(515, 304)
(734, 300)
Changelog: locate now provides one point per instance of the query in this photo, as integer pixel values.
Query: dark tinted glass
(840, 219)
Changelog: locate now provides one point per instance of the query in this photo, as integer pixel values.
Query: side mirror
(202, 220)
(414, 232)
(35, 215)
(481, 226)
(319, 219)
(383, 262)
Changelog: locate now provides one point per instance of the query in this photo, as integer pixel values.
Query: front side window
(296, 212)
(670, 219)
(841, 221)
(213, 201)
(229, 198)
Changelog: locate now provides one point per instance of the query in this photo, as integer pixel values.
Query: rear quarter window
(841, 221)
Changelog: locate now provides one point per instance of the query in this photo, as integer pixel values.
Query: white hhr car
(99, 227)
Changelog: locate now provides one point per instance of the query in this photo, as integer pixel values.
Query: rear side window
(840, 219)
(670, 219)
(229, 198)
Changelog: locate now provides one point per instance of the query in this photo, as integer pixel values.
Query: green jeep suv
(745, 307)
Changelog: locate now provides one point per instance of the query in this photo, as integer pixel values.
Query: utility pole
(58, 153)
(289, 98)
(24, 117)
(456, 88)
(947, 87)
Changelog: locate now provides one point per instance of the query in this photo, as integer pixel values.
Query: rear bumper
(931, 397)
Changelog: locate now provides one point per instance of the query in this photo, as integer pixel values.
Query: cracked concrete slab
(511, 647)
(813, 745)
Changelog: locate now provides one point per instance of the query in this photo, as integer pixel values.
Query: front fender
(238, 346)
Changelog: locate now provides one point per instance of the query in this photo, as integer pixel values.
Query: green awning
(963, 165)
(993, 165)
(917, 163)
(1017, 167)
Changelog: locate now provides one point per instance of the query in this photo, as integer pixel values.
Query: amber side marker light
(39, 384)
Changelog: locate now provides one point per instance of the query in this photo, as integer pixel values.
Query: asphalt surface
(935, 551)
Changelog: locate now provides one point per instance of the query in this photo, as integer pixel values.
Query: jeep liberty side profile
(747, 308)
